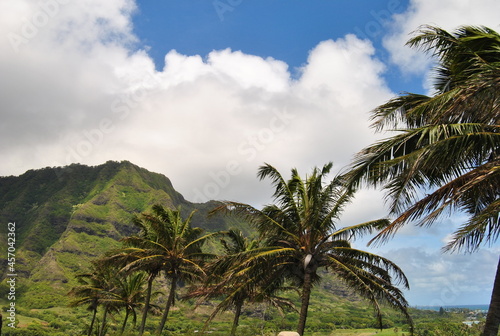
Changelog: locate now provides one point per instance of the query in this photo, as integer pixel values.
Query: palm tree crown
(446, 152)
(167, 243)
(129, 294)
(302, 234)
(447, 144)
(95, 289)
(229, 277)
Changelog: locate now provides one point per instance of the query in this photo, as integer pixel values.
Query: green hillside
(67, 216)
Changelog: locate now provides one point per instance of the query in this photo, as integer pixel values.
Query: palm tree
(167, 244)
(227, 279)
(94, 291)
(301, 231)
(129, 294)
(88, 295)
(445, 154)
(123, 258)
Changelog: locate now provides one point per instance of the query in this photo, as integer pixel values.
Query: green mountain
(64, 217)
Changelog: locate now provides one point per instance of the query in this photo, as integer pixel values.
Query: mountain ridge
(66, 216)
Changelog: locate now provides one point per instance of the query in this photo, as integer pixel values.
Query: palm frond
(356, 231)
(482, 228)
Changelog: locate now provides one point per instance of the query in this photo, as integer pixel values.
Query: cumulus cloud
(58, 66)
(438, 279)
(447, 14)
(221, 117)
(206, 121)
(75, 90)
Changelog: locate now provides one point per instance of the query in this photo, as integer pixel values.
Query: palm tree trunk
(127, 312)
(304, 306)
(237, 314)
(170, 300)
(146, 304)
(493, 317)
(103, 324)
(92, 323)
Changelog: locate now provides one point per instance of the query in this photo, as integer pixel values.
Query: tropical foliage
(245, 266)
(303, 235)
(166, 244)
(445, 155)
(299, 239)
(97, 289)
(129, 295)
(447, 143)
(228, 279)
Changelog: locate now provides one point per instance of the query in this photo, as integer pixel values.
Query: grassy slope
(256, 320)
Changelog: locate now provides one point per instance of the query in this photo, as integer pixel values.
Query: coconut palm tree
(167, 244)
(226, 279)
(88, 294)
(301, 230)
(129, 294)
(123, 259)
(94, 291)
(445, 153)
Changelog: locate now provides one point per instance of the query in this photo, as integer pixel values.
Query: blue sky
(206, 91)
(284, 30)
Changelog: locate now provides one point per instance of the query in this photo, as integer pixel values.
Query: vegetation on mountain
(447, 145)
(66, 217)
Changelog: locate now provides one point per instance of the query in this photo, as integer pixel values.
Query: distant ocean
(471, 307)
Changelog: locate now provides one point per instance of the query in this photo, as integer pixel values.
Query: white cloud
(438, 279)
(447, 14)
(250, 71)
(206, 121)
(208, 114)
